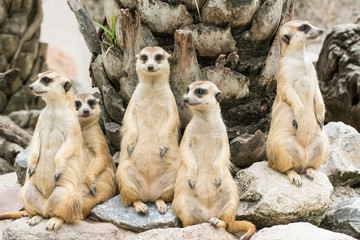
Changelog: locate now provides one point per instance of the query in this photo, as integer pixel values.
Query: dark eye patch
(158, 57)
(304, 28)
(77, 105)
(200, 92)
(144, 57)
(46, 80)
(91, 103)
(187, 90)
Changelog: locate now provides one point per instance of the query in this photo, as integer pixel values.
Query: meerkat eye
(77, 105)
(91, 102)
(158, 57)
(144, 58)
(187, 90)
(200, 91)
(45, 80)
(304, 28)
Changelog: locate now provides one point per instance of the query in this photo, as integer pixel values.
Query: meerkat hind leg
(217, 222)
(54, 223)
(140, 207)
(161, 206)
(294, 177)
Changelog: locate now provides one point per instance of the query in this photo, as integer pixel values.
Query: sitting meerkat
(205, 190)
(100, 173)
(297, 141)
(149, 147)
(53, 186)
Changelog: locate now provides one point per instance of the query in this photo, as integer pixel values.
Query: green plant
(110, 34)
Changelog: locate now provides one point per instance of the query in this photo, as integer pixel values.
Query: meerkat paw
(34, 220)
(295, 124)
(321, 123)
(294, 178)
(191, 183)
(162, 151)
(58, 173)
(218, 182)
(31, 170)
(130, 148)
(92, 188)
(217, 222)
(161, 206)
(310, 173)
(54, 224)
(140, 207)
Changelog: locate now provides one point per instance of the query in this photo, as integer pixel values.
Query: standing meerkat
(149, 146)
(205, 190)
(297, 142)
(99, 176)
(53, 183)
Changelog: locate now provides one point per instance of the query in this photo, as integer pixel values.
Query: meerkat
(148, 158)
(297, 142)
(99, 176)
(53, 186)
(205, 190)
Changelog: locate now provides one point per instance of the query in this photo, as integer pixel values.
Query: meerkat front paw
(140, 207)
(217, 222)
(34, 220)
(58, 173)
(191, 183)
(218, 182)
(310, 173)
(321, 123)
(31, 170)
(130, 148)
(162, 151)
(295, 124)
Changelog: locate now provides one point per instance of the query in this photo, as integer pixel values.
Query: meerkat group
(70, 169)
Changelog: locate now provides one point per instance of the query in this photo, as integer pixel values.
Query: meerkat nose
(31, 87)
(86, 112)
(186, 99)
(151, 68)
(321, 31)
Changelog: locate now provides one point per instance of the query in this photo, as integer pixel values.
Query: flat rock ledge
(126, 217)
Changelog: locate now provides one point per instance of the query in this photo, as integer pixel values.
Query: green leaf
(110, 39)
(115, 41)
(104, 28)
(113, 24)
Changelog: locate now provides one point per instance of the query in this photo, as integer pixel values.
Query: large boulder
(338, 69)
(21, 165)
(298, 231)
(342, 165)
(126, 217)
(344, 217)
(5, 167)
(19, 229)
(268, 198)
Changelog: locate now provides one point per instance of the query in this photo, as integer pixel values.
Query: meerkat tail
(238, 226)
(13, 215)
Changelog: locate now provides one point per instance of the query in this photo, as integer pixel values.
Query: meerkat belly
(44, 175)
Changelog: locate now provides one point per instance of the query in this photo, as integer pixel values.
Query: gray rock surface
(25, 118)
(9, 151)
(21, 165)
(298, 231)
(338, 69)
(342, 193)
(344, 217)
(125, 217)
(248, 149)
(342, 165)
(19, 229)
(5, 167)
(268, 198)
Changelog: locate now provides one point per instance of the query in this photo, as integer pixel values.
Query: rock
(8, 44)
(338, 69)
(112, 59)
(341, 193)
(266, 21)
(19, 229)
(125, 217)
(113, 132)
(25, 62)
(211, 41)
(190, 4)
(248, 149)
(342, 166)
(9, 151)
(116, 158)
(25, 118)
(9, 192)
(3, 101)
(5, 167)
(17, 24)
(344, 217)
(24, 99)
(21, 165)
(131, 4)
(298, 231)
(268, 198)
(161, 17)
(235, 13)
(195, 232)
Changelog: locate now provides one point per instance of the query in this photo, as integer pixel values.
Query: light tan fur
(205, 190)
(149, 147)
(99, 178)
(52, 187)
(297, 142)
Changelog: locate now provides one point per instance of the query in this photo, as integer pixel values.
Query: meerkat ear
(167, 55)
(136, 56)
(67, 86)
(218, 96)
(286, 38)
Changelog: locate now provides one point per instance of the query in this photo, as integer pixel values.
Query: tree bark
(13, 133)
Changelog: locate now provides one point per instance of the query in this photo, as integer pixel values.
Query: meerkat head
(203, 96)
(296, 34)
(87, 107)
(52, 85)
(152, 62)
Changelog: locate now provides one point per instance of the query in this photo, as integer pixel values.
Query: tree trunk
(231, 43)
